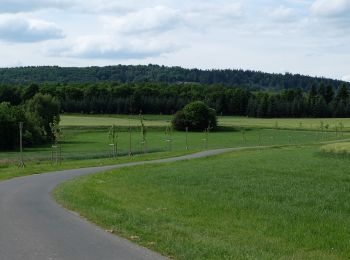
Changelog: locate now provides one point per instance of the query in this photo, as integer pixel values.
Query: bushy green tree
(197, 116)
(43, 110)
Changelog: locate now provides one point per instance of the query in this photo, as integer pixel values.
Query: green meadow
(85, 140)
(279, 203)
(86, 137)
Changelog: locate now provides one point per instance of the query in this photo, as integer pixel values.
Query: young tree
(143, 133)
(113, 140)
(56, 130)
(56, 133)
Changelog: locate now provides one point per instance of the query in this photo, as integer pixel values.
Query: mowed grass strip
(286, 203)
(108, 120)
(337, 148)
(315, 124)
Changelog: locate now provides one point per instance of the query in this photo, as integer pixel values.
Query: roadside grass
(282, 203)
(10, 170)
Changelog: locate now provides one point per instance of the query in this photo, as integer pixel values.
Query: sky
(309, 37)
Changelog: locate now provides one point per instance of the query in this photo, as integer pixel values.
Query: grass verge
(9, 171)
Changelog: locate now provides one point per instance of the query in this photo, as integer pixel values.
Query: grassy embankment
(286, 203)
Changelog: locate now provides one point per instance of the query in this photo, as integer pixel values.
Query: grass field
(231, 121)
(85, 138)
(92, 143)
(287, 123)
(108, 120)
(287, 203)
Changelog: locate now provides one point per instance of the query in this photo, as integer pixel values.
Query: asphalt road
(34, 227)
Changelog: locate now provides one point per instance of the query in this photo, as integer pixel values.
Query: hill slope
(154, 73)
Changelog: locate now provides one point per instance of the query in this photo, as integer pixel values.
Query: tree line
(253, 80)
(160, 98)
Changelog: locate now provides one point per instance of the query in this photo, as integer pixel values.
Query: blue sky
(299, 36)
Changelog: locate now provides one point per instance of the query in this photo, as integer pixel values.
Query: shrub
(197, 116)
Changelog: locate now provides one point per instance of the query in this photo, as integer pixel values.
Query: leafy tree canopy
(196, 116)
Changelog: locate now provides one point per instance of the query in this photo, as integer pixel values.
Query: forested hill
(153, 73)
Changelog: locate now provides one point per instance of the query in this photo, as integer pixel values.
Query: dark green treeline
(246, 79)
(157, 98)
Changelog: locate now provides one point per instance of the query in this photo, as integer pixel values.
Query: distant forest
(250, 80)
(321, 100)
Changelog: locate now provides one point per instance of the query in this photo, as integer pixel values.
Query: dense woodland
(151, 98)
(251, 80)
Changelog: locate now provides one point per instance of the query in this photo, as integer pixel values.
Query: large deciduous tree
(196, 116)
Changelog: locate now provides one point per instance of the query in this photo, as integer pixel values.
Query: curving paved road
(34, 227)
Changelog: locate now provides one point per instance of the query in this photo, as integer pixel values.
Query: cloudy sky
(299, 36)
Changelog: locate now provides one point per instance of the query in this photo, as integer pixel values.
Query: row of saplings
(196, 116)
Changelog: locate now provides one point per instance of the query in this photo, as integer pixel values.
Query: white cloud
(283, 14)
(331, 8)
(15, 6)
(91, 6)
(211, 15)
(156, 19)
(109, 6)
(16, 28)
(110, 47)
(346, 78)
